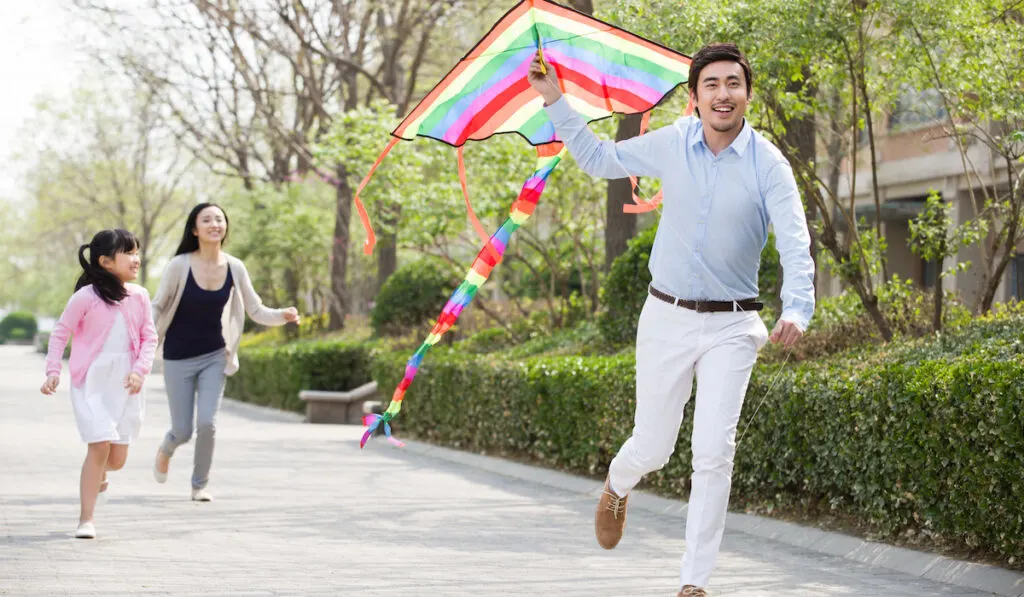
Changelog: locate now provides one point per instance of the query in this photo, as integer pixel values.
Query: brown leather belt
(707, 306)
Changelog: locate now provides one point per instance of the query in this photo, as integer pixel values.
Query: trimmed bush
(413, 296)
(926, 435)
(19, 326)
(274, 376)
(625, 290)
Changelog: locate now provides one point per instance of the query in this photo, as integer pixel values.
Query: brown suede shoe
(692, 591)
(610, 519)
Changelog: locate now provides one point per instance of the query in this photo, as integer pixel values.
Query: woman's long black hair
(107, 243)
(189, 241)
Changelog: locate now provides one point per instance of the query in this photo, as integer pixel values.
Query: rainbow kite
(601, 69)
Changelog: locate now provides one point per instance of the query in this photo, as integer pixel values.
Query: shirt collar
(738, 145)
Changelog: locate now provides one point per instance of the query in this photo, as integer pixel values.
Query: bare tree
(254, 86)
(119, 168)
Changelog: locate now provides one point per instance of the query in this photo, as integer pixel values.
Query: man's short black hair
(717, 52)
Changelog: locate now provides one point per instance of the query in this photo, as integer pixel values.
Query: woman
(199, 311)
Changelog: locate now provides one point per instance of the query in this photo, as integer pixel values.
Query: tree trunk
(291, 289)
(619, 227)
(339, 251)
(586, 6)
(937, 315)
(387, 245)
(801, 136)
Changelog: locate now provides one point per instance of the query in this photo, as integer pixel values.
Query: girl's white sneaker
(86, 530)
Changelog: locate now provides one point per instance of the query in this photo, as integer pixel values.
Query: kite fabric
(601, 69)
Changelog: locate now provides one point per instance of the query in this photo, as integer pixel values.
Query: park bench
(341, 407)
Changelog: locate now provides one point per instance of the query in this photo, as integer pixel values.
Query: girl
(199, 310)
(115, 341)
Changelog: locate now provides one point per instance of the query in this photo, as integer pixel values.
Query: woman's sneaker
(160, 466)
(201, 495)
(86, 530)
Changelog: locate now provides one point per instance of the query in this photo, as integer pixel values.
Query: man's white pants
(673, 344)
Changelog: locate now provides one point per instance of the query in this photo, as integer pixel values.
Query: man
(723, 183)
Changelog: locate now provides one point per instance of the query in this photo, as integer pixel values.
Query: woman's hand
(133, 383)
(50, 385)
(291, 315)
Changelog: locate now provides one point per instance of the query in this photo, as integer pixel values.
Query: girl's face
(211, 225)
(123, 265)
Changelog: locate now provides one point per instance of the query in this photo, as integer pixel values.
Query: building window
(1017, 268)
(914, 108)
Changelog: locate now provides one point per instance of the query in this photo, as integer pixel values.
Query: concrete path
(301, 511)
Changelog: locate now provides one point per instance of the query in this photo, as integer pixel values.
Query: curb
(981, 577)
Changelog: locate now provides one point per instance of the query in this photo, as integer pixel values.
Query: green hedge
(274, 376)
(18, 326)
(926, 435)
(412, 297)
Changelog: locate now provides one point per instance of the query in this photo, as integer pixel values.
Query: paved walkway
(300, 511)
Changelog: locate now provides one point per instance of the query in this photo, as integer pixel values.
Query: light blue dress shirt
(716, 209)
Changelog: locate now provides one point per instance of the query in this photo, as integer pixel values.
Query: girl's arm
(254, 306)
(144, 364)
(73, 313)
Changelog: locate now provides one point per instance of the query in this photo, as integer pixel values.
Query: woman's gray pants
(194, 385)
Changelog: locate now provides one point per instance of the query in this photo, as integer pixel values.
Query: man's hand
(546, 85)
(785, 332)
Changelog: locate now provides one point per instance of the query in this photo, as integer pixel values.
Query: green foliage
(284, 235)
(842, 323)
(412, 296)
(526, 338)
(18, 326)
(274, 376)
(625, 290)
(924, 436)
(934, 237)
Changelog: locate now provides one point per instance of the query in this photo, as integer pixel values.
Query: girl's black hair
(189, 241)
(106, 243)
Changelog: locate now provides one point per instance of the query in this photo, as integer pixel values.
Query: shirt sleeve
(165, 290)
(73, 312)
(254, 306)
(639, 156)
(148, 338)
(793, 240)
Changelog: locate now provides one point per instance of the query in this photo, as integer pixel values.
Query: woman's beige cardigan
(243, 300)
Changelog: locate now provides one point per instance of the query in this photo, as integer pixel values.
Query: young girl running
(114, 344)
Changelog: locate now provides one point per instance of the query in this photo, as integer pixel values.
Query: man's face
(721, 96)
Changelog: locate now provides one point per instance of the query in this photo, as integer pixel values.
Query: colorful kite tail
(548, 156)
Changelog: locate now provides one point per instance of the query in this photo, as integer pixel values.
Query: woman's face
(211, 225)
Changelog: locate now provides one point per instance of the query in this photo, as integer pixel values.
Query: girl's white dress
(104, 410)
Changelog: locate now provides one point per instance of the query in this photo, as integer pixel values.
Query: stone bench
(341, 407)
